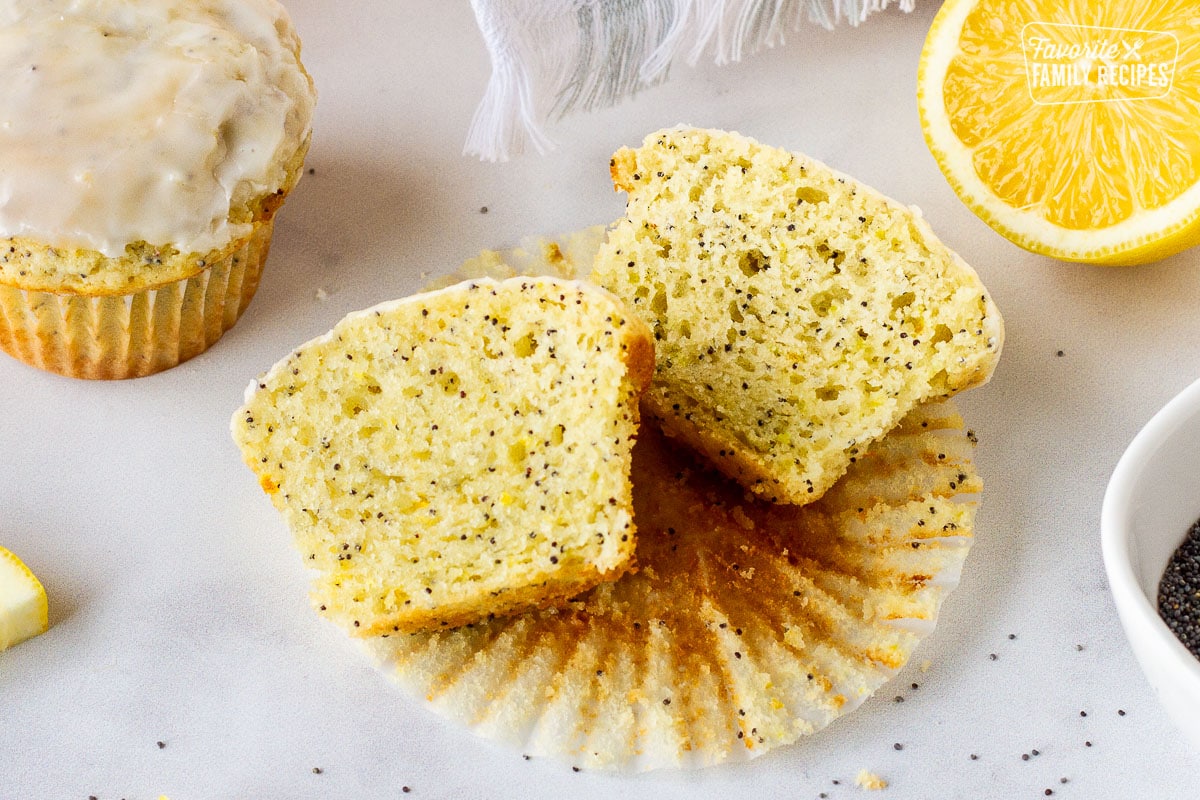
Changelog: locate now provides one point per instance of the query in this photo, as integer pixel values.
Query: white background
(179, 609)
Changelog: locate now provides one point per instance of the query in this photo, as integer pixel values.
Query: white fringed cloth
(550, 57)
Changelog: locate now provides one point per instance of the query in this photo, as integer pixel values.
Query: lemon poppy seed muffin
(144, 151)
(798, 315)
(456, 454)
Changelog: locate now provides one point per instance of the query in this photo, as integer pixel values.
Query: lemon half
(1069, 126)
(24, 612)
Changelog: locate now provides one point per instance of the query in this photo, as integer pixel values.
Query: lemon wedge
(24, 612)
(1069, 126)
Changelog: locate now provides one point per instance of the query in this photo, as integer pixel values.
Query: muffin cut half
(798, 315)
(457, 454)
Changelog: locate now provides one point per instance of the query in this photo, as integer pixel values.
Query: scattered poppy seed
(1087, 744)
(1059, 354)
(574, 769)
(1024, 756)
(483, 209)
(1012, 636)
(161, 745)
(1083, 713)
(405, 789)
(897, 746)
(992, 656)
(898, 699)
(1035, 752)
(316, 770)
(974, 757)
(1049, 792)
(1120, 712)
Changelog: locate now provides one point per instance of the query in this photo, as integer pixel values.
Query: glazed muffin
(144, 151)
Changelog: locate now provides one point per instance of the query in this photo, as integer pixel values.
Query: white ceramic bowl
(1152, 500)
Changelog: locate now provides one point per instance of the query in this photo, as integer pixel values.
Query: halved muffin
(798, 315)
(457, 454)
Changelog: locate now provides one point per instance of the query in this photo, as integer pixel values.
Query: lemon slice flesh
(24, 612)
(1071, 127)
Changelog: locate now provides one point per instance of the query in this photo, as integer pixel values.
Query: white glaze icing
(123, 122)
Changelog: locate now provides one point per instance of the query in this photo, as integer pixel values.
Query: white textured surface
(179, 608)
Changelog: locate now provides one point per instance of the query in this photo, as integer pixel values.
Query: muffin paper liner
(746, 626)
(136, 334)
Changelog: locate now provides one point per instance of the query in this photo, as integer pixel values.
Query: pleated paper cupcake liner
(136, 334)
(747, 625)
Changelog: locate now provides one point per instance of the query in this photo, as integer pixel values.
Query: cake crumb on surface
(869, 780)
